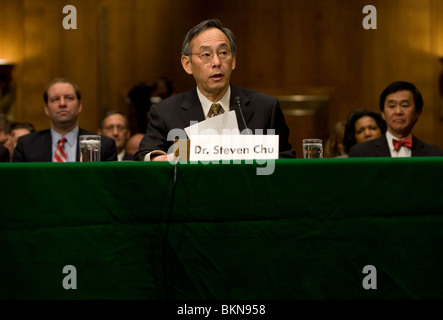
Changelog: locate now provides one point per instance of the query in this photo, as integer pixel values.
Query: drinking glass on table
(90, 147)
(312, 148)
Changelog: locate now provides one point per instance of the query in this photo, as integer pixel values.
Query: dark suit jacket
(4, 154)
(260, 111)
(37, 147)
(379, 148)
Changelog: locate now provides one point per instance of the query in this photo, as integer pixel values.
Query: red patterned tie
(60, 154)
(407, 142)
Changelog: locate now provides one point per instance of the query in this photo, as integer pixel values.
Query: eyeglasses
(207, 56)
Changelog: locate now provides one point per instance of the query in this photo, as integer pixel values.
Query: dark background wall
(285, 47)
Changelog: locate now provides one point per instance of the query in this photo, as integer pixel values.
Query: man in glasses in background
(209, 55)
(115, 124)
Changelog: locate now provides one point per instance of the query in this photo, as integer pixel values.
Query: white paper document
(225, 123)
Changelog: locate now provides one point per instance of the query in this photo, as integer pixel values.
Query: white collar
(206, 103)
(71, 137)
(403, 151)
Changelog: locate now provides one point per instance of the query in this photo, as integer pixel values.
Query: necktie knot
(60, 154)
(407, 142)
(215, 110)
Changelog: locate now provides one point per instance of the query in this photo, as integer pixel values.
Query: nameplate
(233, 147)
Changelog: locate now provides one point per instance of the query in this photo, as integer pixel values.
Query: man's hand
(163, 157)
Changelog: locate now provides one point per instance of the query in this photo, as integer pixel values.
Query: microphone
(237, 100)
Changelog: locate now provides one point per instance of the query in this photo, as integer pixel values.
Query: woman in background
(334, 145)
(361, 126)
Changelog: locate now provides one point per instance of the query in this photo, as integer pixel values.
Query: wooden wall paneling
(307, 116)
(436, 32)
(40, 52)
(146, 39)
(416, 64)
(124, 49)
(79, 57)
(160, 38)
(11, 46)
(285, 47)
(104, 99)
(373, 59)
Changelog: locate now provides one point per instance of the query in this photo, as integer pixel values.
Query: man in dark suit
(4, 154)
(62, 105)
(115, 124)
(401, 105)
(209, 55)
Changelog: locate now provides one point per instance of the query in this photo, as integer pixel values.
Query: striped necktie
(215, 110)
(60, 154)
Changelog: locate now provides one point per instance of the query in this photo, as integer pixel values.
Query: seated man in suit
(62, 105)
(209, 55)
(401, 105)
(115, 124)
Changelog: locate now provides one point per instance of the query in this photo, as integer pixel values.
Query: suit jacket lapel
(382, 147)
(191, 108)
(46, 146)
(417, 147)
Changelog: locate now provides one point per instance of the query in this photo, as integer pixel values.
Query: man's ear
(46, 110)
(234, 61)
(186, 63)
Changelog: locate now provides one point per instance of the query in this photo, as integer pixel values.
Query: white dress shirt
(70, 144)
(206, 103)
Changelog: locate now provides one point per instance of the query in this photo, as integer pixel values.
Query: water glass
(312, 148)
(90, 147)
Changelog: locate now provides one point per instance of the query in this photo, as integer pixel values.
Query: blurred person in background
(361, 126)
(161, 89)
(20, 129)
(6, 138)
(115, 125)
(133, 143)
(334, 145)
